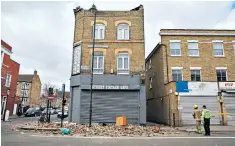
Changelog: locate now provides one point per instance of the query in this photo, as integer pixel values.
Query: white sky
(41, 33)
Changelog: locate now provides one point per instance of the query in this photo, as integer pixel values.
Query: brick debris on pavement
(107, 131)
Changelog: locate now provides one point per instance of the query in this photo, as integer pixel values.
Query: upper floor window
(76, 60)
(98, 65)
(8, 80)
(221, 74)
(150, 63)
(150, 83)
(99, 31)
(123, 63)
(193, 48)
(24, 93)
(177, 75)
(195, 75)
(175, 48)
(218, 48)
(123, 32)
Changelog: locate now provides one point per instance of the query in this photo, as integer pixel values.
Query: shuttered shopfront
(187, 103)
(107, 105)
(229, 101)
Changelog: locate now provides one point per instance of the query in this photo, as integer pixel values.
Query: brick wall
(134, 47)
(35, 91)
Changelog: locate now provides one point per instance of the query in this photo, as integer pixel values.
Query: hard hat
(195, 106)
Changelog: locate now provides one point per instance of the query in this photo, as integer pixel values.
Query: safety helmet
(195, 106)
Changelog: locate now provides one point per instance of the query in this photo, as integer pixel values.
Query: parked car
(58, 110)
(33, 112)
(50, 110)
(66, 114)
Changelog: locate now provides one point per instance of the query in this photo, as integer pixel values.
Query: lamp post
(93, 10)
(4, 114)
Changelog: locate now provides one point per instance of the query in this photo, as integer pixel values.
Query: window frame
(98, 26)
(123, 63)
(123, 29)
(8, 80)
(175, 41)
(218, 41)
(177, 68)
(195, 69)
(220, 69)
(150, 83)
(98, 63)
(193, 41)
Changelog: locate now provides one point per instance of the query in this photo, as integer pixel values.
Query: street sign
(50, 97)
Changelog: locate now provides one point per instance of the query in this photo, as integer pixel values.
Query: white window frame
(124, 36)
(8, 80)
(222, 68)
(97, 68)
(150, 63)
(128, 69)
(98, 27)
(218, 41)
(195, 69)
(195, 42)
(176, 68)
(175, 41)
(76, 62)
(150, 83)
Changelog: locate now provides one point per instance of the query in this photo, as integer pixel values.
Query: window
(175, 48)
(76, 60)
(177, 75)
(150, 63)
(24, 93)
(123, 63)
(123, 32)
(98, 66)
(24, 101)
(8, 80)
(99, 31)
(150, 83)
(195, 75)
(221, 74)
(218, 48)
(193, 48)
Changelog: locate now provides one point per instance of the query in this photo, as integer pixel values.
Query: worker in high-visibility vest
(197, 117)
(205, 118)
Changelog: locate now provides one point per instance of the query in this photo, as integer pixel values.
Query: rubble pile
(110, 130)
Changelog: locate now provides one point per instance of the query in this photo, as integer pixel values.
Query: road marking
(101, 137)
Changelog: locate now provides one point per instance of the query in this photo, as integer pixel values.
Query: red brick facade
(8, 66)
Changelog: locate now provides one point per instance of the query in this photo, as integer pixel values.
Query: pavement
(212, 128)
(12, 138)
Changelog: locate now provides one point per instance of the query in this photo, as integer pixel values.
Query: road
(12, 138)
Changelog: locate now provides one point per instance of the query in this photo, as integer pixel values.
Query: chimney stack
(35, 72)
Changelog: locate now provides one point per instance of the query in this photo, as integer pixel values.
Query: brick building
(190, 66)
(9, 75)
(28, 90)
(118, 66)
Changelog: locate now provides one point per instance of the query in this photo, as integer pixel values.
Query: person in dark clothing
(206, 117)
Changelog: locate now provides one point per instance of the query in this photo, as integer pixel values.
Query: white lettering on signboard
(110, 87)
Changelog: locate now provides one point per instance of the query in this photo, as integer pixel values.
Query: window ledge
(194, 56)
(176, 55)
(123, 39)
(220, 56)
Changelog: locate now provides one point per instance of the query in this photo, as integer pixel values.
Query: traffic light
(50, 91)
(64, 101)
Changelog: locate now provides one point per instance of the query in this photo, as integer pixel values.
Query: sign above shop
(227, 85)
(111, 87)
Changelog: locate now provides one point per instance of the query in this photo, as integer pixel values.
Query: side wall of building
(35, 91)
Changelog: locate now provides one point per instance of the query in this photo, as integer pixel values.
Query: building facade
(118, 83)
(193, 60)
(9, 76)
(28, 90)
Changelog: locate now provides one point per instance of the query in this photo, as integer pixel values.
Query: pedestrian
(197, 117)
(205, 118)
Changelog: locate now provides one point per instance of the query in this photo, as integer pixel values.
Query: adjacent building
(9, 76)
(28, 90)
(119, 65)
(191, 66)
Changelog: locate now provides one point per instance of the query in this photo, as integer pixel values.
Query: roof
(6, 45)
(153, 52)
(25, 78)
